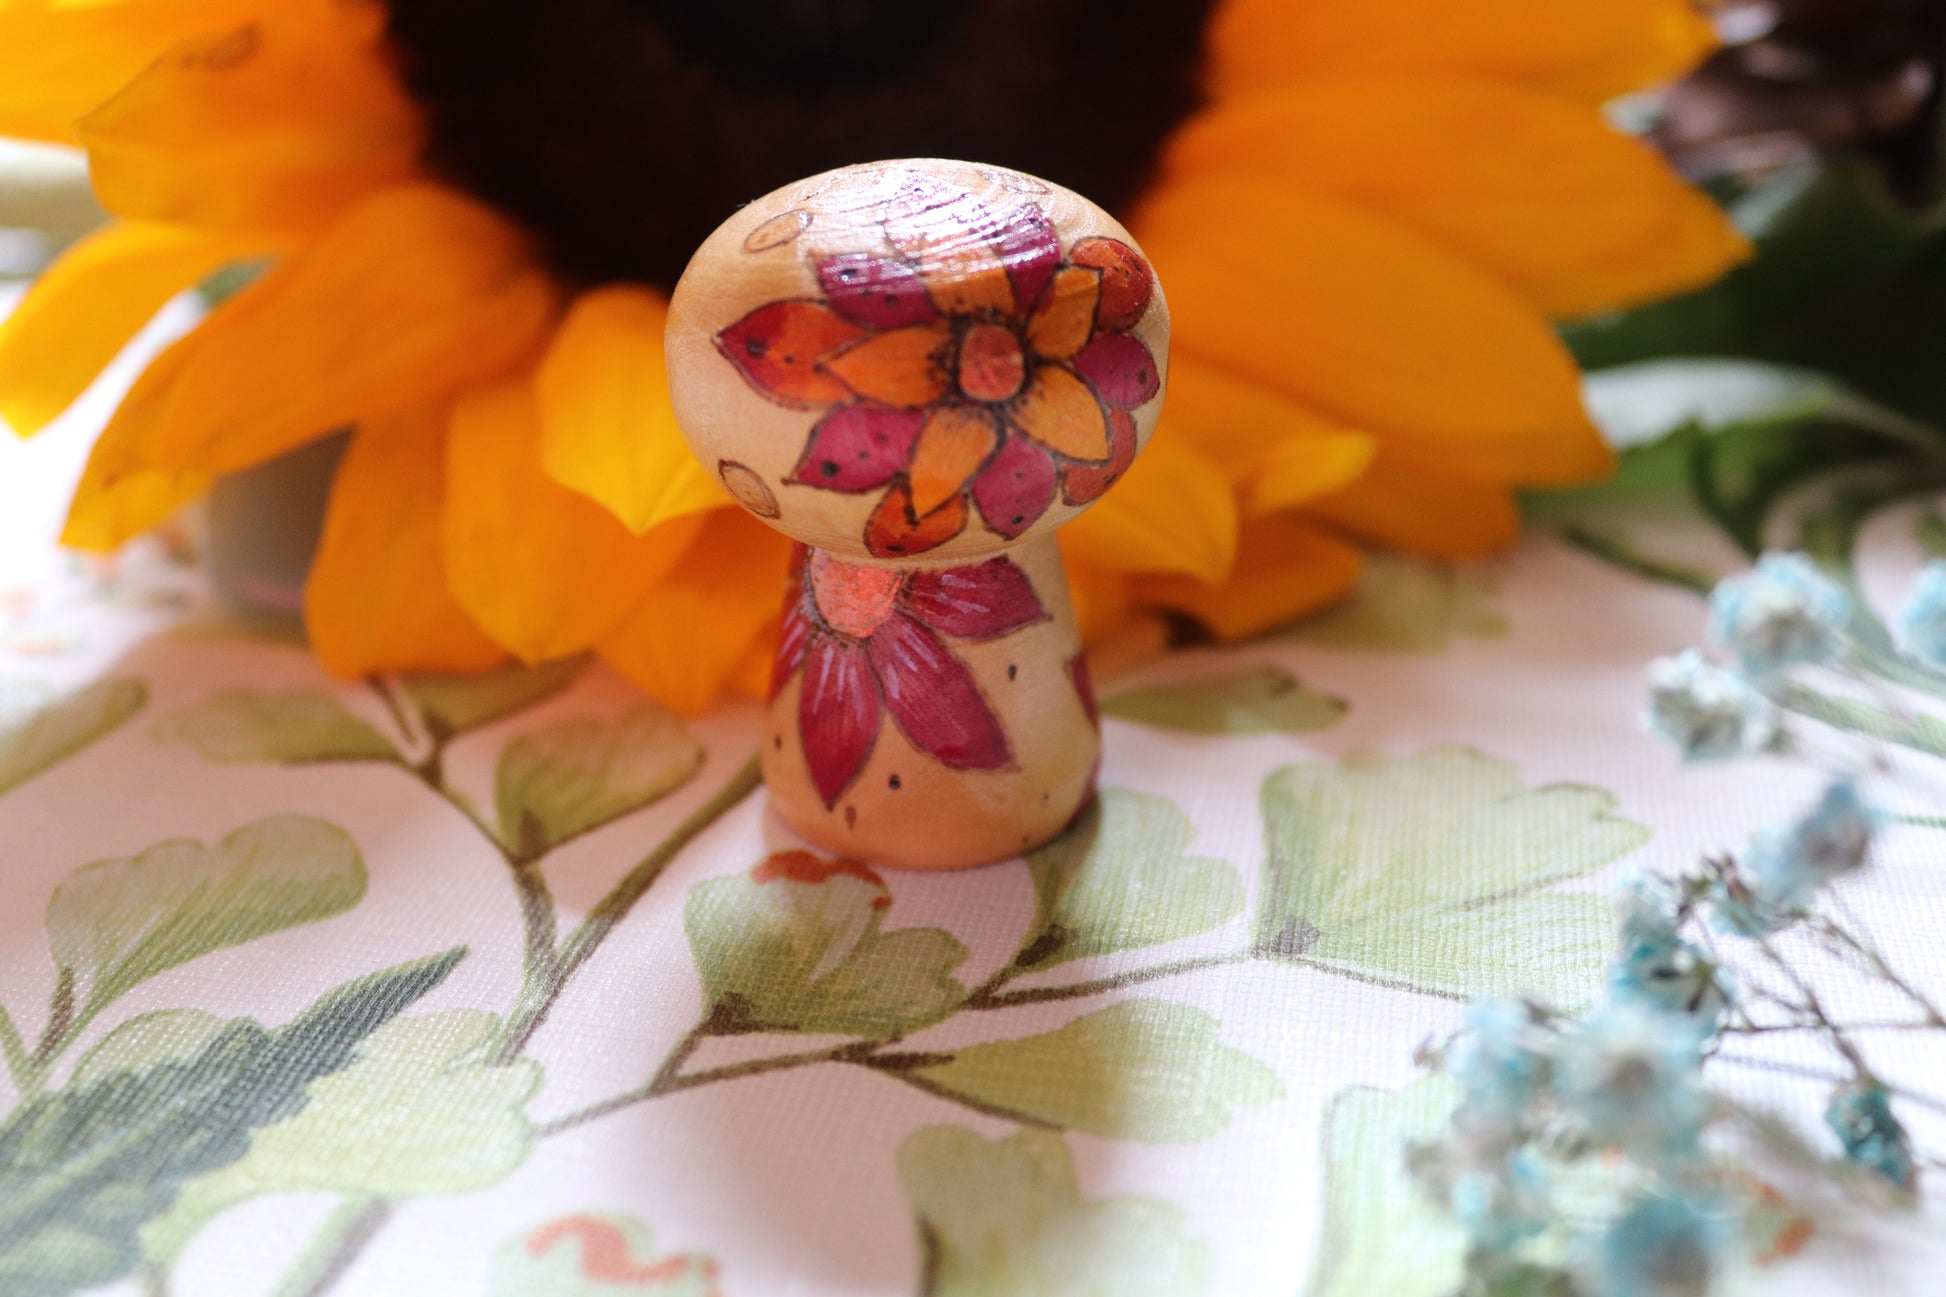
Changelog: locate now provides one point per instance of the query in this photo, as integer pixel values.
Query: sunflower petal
(935, 699)
(1061, 412)
(278, 124)
(64, 59)
(691, 630)
(1235, 422)
(1591, 50)
(1575, 215)
(1285, 568)
(954, 442)
(416, 292)
(1340, 309)
(1172, 512)
(837, 714)
(544, 570)
(377, 599)
(607, 428)
(905, 367)
(86, 307)
(1401, 505)
(111, 506)
(1305, 466)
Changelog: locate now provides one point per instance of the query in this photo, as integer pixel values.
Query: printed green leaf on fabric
(82, 1170)
(1378, 1233)
(1427, 872)
(164, 1036)
(1005, 1218)
(1146, 1070)
(1122, 878)
(797, 945)
(1410, 605)
(420, 1110)
(246, 726)
(598, 1255)
(453, 704)
(64, 727)
(1255, 700)
(571, 777)
(113, 924)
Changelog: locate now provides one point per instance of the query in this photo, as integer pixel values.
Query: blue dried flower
(1497, 1063)
(1781, 870)
(1861, 1116)
(1662, 1246)
(1922, 621)
(1501, 1207)
(1784, 612)
(1709, 714)
(1630, 1077)
(1654, 967)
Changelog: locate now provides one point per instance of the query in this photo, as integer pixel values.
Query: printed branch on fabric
(798, 946)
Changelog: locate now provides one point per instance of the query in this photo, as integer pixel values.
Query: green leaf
(1121, 878)
(1005, 1218)
(1637, 405)
(1929, 533)
(1255, 700)
(245, 726)
(453, 704)
(1427, 872)
(597, 1254)
(796, 945)
(82, 1170)
(1378, 1233)
(568, 778)
(420, 1110)
(1143, 1069)
(164, 1036)
(64, 727)
(1409, 605)
(118, 922)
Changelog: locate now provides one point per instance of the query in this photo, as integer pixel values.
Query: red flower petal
(1120, 369)
(1014, 490)
(1126, 281)
(1030, 250)
(1084, 684)
(858, 448)
(791, 641)
(877, 292)
(838, 714)
(979, 601)
(1086, 483)
(894, 531)
(932, 696)
(777, 348)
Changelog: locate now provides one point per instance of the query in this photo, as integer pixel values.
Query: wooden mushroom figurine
(919, 370)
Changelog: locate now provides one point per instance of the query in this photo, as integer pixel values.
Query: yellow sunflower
(1364, 214)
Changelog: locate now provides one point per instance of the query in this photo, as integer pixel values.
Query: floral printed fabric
(509, 986)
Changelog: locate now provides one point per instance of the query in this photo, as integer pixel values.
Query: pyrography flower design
(869, 642)
(994, 372)
(1364, 216)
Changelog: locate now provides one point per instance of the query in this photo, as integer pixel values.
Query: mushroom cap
(917, 360)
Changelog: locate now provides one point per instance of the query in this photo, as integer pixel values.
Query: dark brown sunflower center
(621, 132)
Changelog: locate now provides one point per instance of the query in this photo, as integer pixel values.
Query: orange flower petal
(377, 598)
(607, 428)
(1060, 411)
(86, 307)
(964, 278)
(416, 292)
(1066, 316)
(275, 125)
(1101, 597)
(1572, 213)
(692, 631)
(64, 59)
(954, 442)
(1400, 505)
(111, 507)
(1172, 512)
(779, 347)
(1285, 568)
(1342, 310)
(1591, 50)
(1234, 423)
(895, 531)
(900, 367)
(543, 570)
(1306, 465)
